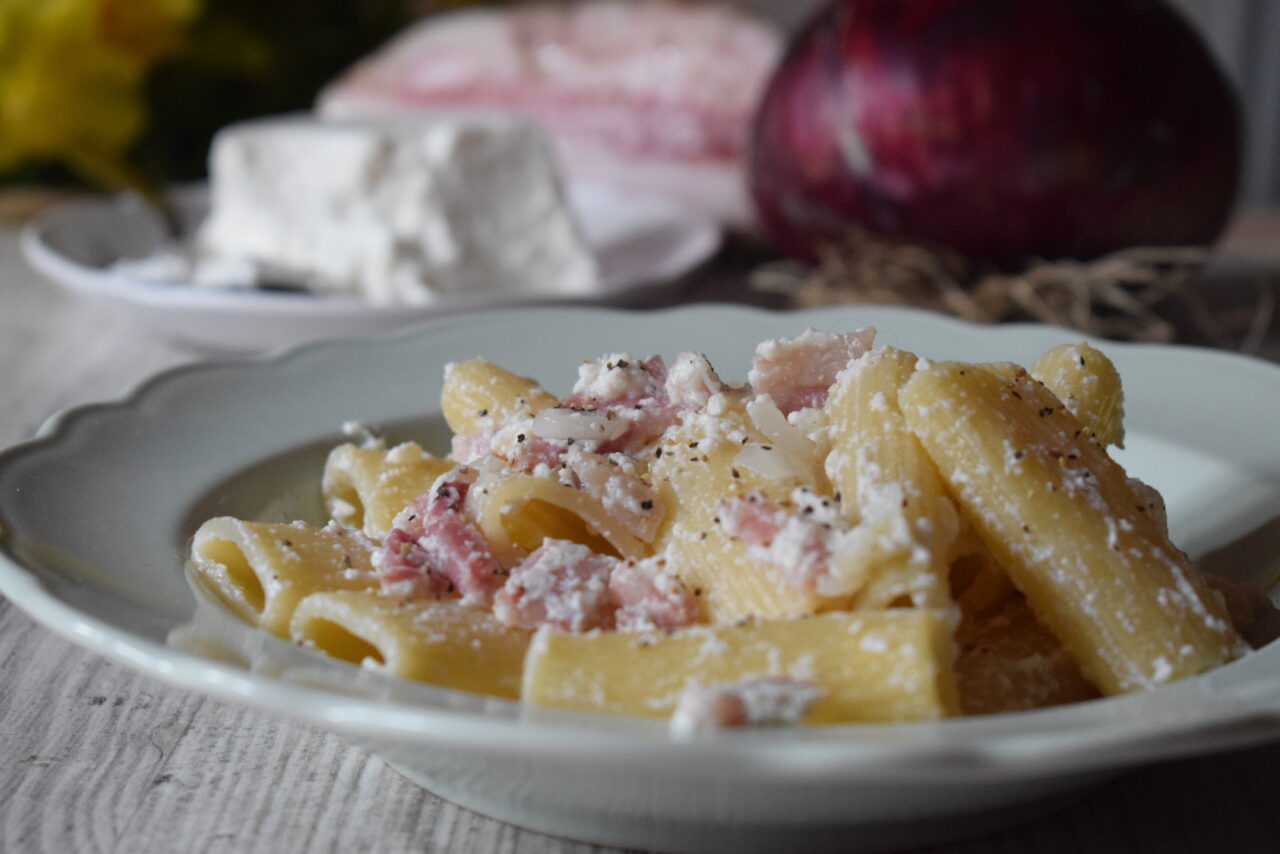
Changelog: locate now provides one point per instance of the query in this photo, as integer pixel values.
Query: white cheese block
(396, 210)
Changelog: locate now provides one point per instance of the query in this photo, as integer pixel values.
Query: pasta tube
(1088, 384)
(871, 665)
(518, 512)
(263, 570)
(440, 642)
(1063, 521)
(889, 486)
(366, 487)
(478, 393)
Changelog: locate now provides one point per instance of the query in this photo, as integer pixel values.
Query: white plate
(637, 241)
(99, 509)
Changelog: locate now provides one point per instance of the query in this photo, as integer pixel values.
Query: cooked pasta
(855, 534)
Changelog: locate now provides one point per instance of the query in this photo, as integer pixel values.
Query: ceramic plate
(98, 510)
(638, 241)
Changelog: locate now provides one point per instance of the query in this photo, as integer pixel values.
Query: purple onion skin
(1005, 129)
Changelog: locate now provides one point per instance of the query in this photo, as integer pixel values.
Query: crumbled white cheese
(747, 702)
(394, 210)
(615, 376)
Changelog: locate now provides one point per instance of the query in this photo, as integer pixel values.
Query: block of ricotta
(396, 210)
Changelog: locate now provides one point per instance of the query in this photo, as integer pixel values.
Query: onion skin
(1005, 129)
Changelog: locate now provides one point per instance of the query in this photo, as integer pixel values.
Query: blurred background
(140, 99)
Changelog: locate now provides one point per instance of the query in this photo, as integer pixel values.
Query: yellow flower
(72, 74)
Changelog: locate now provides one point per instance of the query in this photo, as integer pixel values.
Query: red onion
(1005, 129)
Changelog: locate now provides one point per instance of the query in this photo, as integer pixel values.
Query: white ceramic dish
(638, 241)
(97, 511)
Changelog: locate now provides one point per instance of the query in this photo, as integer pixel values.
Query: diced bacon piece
(434, 549)
(647, 424)
(618, 379)
(692, 382)
(797, 543)
(798, 372)
(529, 452)
(765, 700)
(514, 443)
(649, 598)
(403, 567)
(633, 391)
(561, 584)
(623, 493)
(568, 586)
(467, 447)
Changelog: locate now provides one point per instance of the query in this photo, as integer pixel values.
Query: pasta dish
(854, 534)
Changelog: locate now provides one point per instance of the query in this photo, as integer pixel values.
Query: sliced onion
(800, 452)
(768, 461)
(579, 424)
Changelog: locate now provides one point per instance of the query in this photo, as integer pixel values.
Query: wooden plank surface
(99, 758)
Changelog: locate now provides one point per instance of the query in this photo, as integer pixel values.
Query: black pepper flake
(1017, 455)
(1048, 410)
(702, 536)
(483, 413)
(735, 473)
(569, 441)
(836, 496)
(623, 363)
(693, 444)
(646, 505)
(657, 452)
(1026, 529)
(1015, 394)
(767, 447)
(519, 437)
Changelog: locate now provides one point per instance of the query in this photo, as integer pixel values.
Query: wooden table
(99, 758)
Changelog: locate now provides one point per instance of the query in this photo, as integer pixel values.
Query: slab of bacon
(645, 94)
